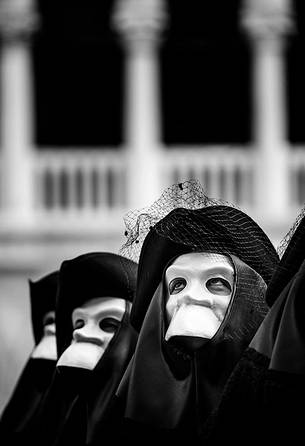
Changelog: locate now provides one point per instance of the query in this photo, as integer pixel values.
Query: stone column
(268, 23)
(17, 22)
(140, 23)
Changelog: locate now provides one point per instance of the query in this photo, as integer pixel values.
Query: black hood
(43, 298)
(264, 397)
(281, 337)
(86, 277)
(78, 403)
(218, 229)
(170, 388)
(35, 378)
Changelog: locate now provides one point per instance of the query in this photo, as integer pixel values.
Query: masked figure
(21, 409)
(267, 388)
(200, 299)
(95, 343)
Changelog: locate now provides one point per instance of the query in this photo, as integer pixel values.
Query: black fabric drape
(168, 391)
(79, 408)
(98, 398)
(267, 388)
(23, 406)
(24, 402)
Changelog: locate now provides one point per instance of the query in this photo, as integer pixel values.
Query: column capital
(18, 19)
(267, 19)
(139, 20)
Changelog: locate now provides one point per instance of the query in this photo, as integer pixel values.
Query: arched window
(78, 75)
(205, 74)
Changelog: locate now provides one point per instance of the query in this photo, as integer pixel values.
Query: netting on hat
(188, 195)
(286, 240)
(291, 250)
(186, 216)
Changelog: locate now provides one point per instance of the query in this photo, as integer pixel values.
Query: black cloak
(267, 388)
(78, 406)
(168, 392)
(36, 376)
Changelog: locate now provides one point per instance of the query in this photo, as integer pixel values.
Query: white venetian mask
(46, 348)
(200, 287)
(94, 325)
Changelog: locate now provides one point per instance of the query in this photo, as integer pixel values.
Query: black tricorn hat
(293, 256)
(219, 229)
(43, 298)
(88, 276)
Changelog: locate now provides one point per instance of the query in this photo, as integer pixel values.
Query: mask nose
(88, 334)
(197, 295)
(49, 330)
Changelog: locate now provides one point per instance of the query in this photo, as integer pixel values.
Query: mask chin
(46, 349)
(193, 321)
(188, 343)
(82, 355)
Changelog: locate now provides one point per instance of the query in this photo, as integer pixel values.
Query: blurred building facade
(104, 104)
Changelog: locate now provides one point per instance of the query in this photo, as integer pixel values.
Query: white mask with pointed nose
(46, 348)
(94, 324)
(199, 289)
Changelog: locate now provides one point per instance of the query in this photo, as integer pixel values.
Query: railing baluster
(77, 182)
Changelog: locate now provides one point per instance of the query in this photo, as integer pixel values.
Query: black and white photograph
(152, 222)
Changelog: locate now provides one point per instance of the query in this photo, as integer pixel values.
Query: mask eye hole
(219, 286)
(109, 324)
(79, 323)
(176, 285)
(49, 319)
